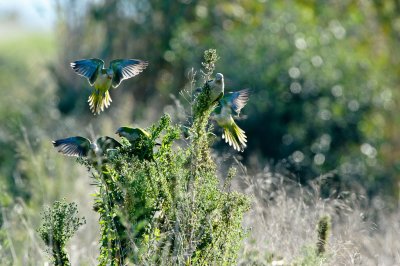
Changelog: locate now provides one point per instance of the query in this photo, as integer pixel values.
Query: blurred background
(325, 96)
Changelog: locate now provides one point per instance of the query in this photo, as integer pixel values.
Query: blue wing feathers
(88, 68)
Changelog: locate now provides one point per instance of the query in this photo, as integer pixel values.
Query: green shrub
(59, 224)
(163, 204)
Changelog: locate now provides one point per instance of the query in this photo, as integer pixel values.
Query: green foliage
(309, 258)
(210, 58)
(59, 224)
(164, 204)
(322, 90)
(323, 230)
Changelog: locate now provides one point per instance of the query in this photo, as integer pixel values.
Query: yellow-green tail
(98, 101)
(235, 136)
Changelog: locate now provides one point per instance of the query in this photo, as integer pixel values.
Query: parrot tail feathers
(235, 137)
(98, 101)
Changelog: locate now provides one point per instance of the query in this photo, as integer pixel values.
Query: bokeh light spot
(317, 61)
(319, 159)
(295, 87)
(337, 90)
(353, 105)
(325, 114)
(294, 72)
(368, 150)
(300, 43)
(298, 156)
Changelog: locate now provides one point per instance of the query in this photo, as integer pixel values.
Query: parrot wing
(237, 100)
(73, 146)
(132, 134)
(105, 143)
(143, 132)
(126, 68)
(88, 68)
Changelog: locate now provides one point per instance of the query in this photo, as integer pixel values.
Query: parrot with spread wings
(229, 103)
(102, 79)
(82, 147)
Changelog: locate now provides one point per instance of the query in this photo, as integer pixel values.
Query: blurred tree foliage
(323, 73)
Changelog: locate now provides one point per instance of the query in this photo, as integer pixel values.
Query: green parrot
(143, 149)
(232, 102)
(216, 87)
(132, 134)
(103, 78)
(83, 147)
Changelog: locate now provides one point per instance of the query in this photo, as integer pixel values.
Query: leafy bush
(164, 204)
(59, 224)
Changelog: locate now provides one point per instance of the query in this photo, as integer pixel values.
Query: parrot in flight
(132, 134)
(232, 102)
(83, 147)
(103, 78)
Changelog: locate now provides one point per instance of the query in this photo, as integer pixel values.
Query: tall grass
(284, 222)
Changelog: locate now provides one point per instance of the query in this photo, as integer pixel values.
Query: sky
(28, 14)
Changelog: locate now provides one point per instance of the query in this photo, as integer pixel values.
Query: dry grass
(283, 223)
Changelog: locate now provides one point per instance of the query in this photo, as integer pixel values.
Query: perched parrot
(82, 147)
(216, 87)
(233, 134)
(144, 150)
(103, 78)
(132, 134)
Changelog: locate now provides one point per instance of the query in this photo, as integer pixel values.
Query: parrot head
(128, 133)
(219, 78)
(109, 73)
(123, 131)
(94, 147)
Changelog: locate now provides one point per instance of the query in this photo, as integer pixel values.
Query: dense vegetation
(162, 207)
(323, 112)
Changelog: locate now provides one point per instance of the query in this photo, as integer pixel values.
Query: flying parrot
(216, 87)
(103, 78)
(83, 147)
(237, 100)
(232, 102)
(132, 134)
